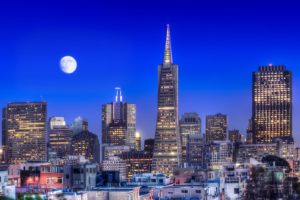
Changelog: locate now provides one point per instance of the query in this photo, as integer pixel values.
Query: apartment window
(59, 180)
(236, 190)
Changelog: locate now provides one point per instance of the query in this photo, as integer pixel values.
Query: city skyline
(70, 96)
(150, 100)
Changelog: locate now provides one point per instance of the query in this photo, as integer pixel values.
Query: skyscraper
(138, 142)
(189, 124)
(130, 120)
(272, 104)
(216, 127)
(25, 131)
(59, 138)
(167, 146)
(234, 135)
(119, 122)
(56, 121)
(87, 145)
(195, 150)
(106, 120)
(80, 124)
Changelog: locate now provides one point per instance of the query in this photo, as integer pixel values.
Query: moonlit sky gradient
(217, 45)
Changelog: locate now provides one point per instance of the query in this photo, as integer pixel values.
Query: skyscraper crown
(118, 97)
(168, 50)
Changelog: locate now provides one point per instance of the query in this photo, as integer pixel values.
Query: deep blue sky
(217, 44)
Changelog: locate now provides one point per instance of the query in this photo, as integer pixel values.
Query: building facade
(137, 162)
(87, 145)
(216, 127)
(113, 150)
(115, 163)
(138, 142)
(272, 104)
(25, 131)
(81, 176)
(189, 124)
(195, 151)
(167, 146)
(117, 133)
(59, 138)
(217, 154)
(234, 135)
(149, 146)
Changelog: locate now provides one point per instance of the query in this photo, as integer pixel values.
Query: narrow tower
(167, 146)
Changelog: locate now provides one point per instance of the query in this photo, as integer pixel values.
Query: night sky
(217, 45)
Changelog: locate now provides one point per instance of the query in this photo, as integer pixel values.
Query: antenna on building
(119, 97)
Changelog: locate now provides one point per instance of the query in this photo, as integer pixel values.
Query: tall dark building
(119, 122)
(249, 136)
(272, 104)
(216, 127)
(234, 135)
(25, 131)
(189, 124)
(149, 146)
(167, 146)
(87, 145)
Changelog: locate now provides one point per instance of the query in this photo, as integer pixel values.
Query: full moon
(68, 64)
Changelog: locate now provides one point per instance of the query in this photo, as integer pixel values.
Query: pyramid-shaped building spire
(168, 50)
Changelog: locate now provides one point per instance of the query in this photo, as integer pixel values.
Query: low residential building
(101, 193)
(279, 148)
(3, 178)
(80, 176)
(189, 175)
(51, 176)
(218, 153)
(14, 175)
(149, 180)
(118, 193)
(187, 192)
(234, 178)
